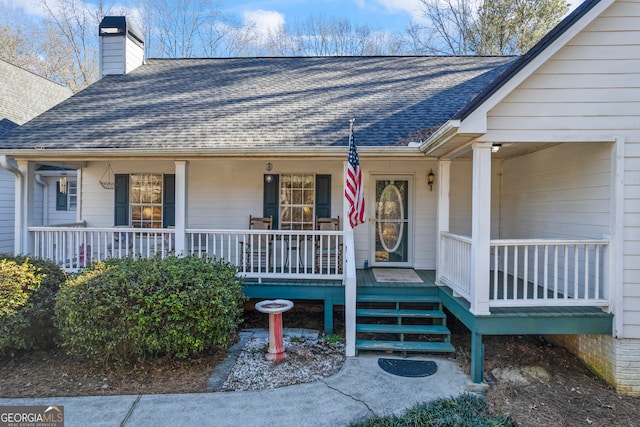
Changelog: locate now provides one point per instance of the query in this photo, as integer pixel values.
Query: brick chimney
(121, 46)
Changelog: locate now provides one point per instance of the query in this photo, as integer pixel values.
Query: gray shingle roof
(24, 95)
(262, 102)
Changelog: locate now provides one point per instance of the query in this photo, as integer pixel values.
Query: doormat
(393, 275)
(408, 368)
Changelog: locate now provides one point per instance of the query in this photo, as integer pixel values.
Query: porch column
(444, 185)
(182, 169)
(481, 228)
(23, 243)
(79, 197)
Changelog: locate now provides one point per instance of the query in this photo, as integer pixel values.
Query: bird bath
(275, 308)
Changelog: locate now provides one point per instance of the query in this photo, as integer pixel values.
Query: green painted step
(402, 329)
(390, 312)
(399, 298)
(418, 346)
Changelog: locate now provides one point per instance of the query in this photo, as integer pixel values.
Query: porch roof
(200, 105)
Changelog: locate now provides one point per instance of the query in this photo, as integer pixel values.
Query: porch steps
(402, 329)
(398, 313)
(405, 346)
(401, 322)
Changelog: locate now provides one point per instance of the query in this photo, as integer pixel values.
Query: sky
(387, 15)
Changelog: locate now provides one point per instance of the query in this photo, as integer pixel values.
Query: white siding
(7, 210)
(223, 193)
(560, 192)
(55, 216)
(631, 276)
(97, 202)
(461, 197)
(119, 55)
(588, 91)
(112, 51)
(135, 55)
(590, 88)
(422, 216)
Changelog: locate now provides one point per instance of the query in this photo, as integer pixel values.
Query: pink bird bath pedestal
(275, 308)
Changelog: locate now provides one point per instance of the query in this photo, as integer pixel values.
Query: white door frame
(409, 214)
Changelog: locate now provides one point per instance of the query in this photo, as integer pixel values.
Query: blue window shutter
(323, 196)
(121, 215)
(271, 199)
(61, 199)
(169, 201)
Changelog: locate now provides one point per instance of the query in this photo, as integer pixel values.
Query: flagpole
(345, 213)
(349, 259)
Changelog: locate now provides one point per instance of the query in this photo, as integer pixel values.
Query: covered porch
(492, 284)
(535, 286)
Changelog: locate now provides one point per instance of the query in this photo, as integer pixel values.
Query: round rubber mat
(408, 368)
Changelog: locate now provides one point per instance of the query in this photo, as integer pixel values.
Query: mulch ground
(568, 395)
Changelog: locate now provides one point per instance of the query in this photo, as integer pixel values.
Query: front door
(391, 222)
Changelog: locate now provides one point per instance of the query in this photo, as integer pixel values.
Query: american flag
(354, 191)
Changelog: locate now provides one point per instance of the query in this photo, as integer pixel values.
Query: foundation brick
(617, 361)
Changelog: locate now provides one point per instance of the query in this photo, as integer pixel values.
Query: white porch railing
(534, 272)
(256, 253)
(273, 253)
(74, 247)
(531, 272)
(455, 263)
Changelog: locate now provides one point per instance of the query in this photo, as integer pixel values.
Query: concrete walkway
(360, 390)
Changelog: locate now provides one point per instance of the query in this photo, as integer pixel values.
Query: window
(293, 201)
(145, 198)
(67, 201)
(297, 202)
(72, 195)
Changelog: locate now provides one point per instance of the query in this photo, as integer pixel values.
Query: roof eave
(440, 137)
(291, 152)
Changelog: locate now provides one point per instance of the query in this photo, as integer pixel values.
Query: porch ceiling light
(431, 178)
(495, 148)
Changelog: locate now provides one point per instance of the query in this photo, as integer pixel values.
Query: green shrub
(123, 309)
(28, 288)
(466, 410)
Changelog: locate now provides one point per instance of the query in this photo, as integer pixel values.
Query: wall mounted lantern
(431, 178)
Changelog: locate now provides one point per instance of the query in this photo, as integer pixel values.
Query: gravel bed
(307, 360)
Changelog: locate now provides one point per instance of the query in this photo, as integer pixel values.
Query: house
(504, 190)
(23, 96)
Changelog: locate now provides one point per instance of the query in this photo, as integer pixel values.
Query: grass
(467, 410)
(333, 338)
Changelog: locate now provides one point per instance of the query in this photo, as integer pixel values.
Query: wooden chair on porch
(258, 249)
(328, 250)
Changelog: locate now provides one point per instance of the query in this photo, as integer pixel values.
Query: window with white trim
(297, 201)
(67, 200)
(72, 195)
(145, 200)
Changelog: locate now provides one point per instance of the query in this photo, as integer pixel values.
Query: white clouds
(31, 7)
(412, 7)
(265, 21)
